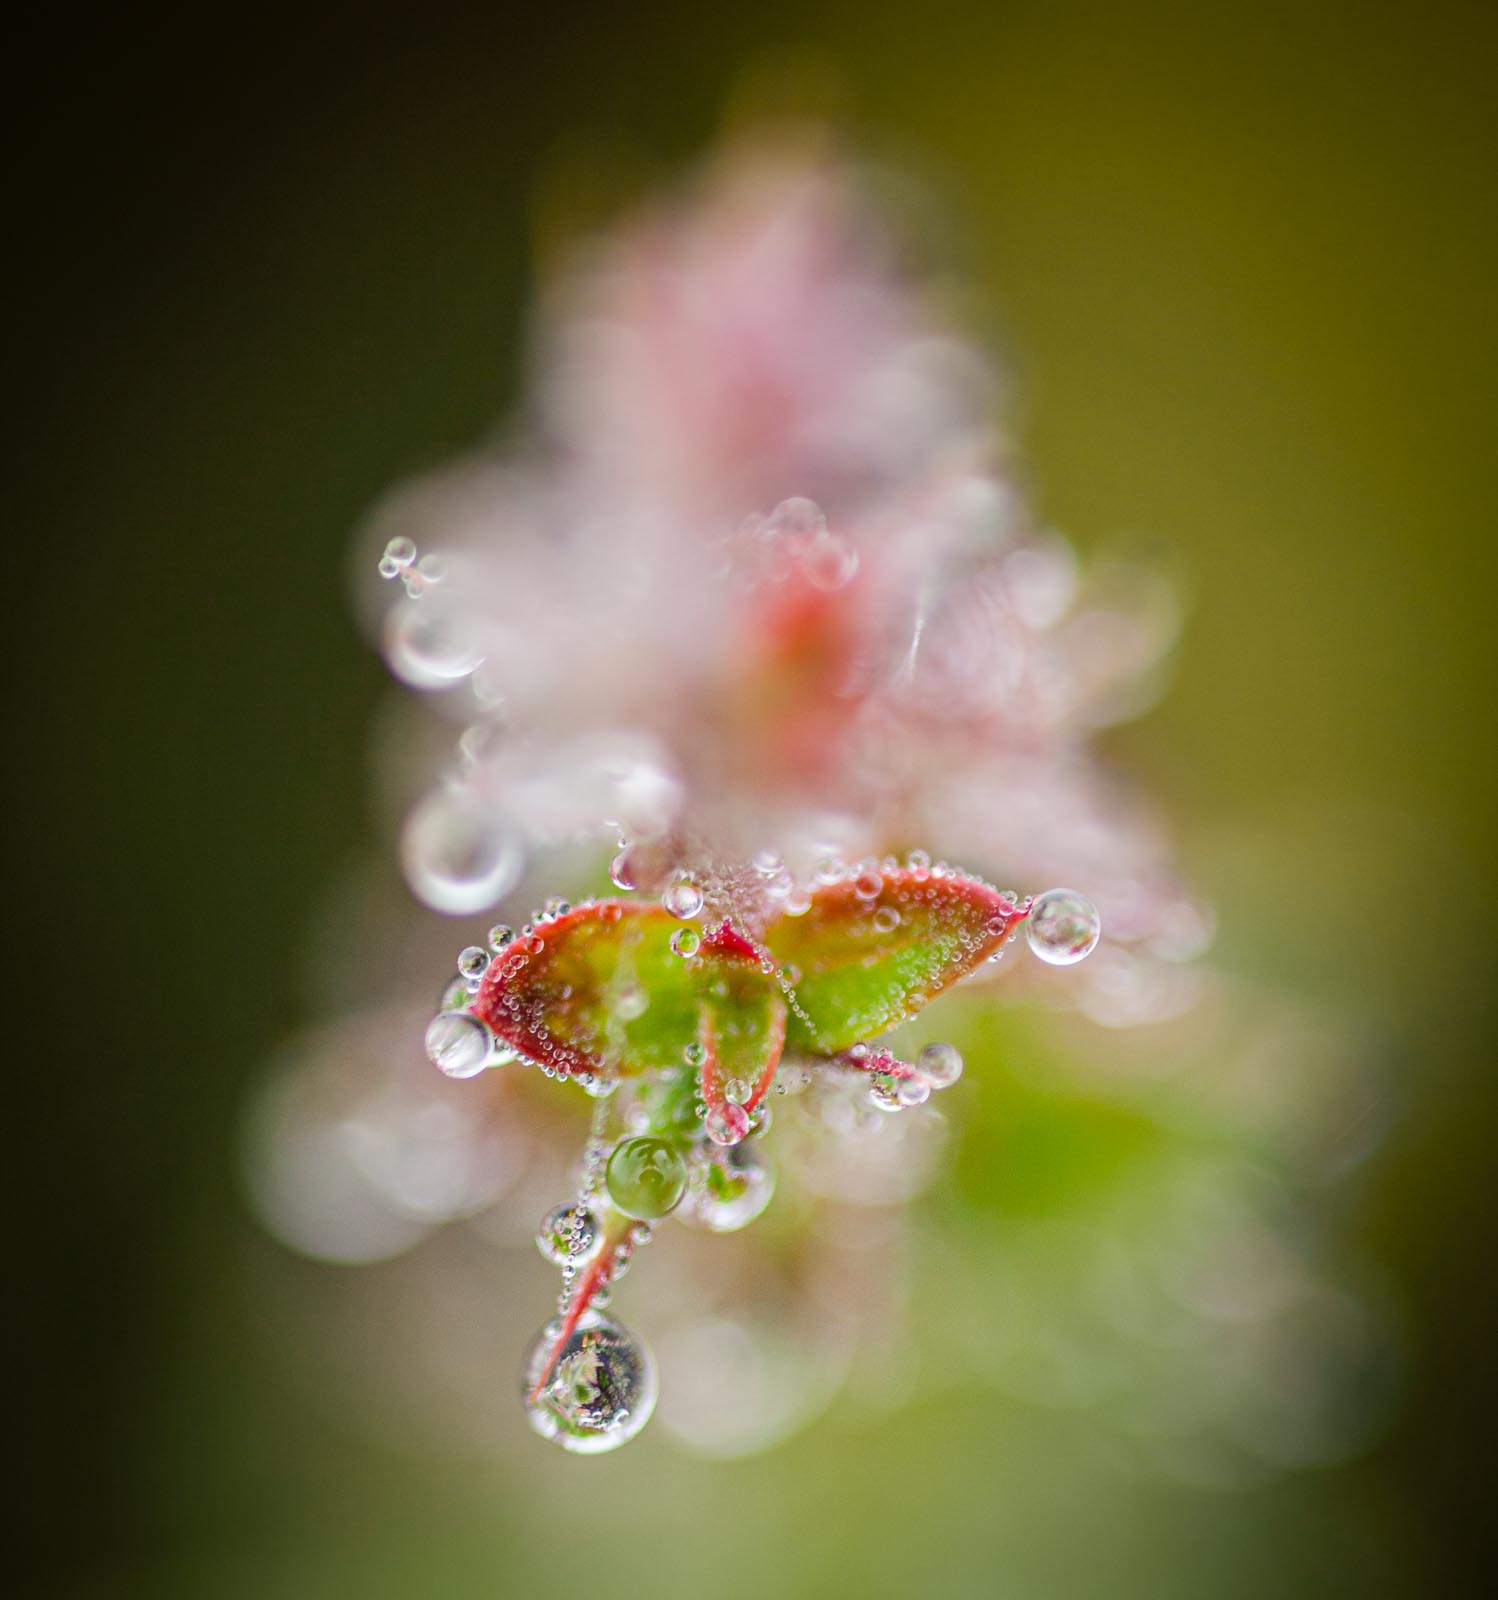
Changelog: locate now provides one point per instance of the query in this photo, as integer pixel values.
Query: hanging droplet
(459, 857)
(569, 1236)
(473, 962)
(645, 1178)
(1063, 926)
(457, 1043)
(686, 942)
(940, 1065)
(430, 647)
(598, 1393)
(727, 1124)
(683, 899)
(828, 561)
(733, 1190)
(914, 1091)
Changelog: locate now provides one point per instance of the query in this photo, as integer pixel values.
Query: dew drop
(727, 1124)
(683, 899)
(914, 1091)
(458, 856)
(429, 647)
(569, 1235)
(599, 1392)
(686, 942)
(645, 1177)
(400, 552)
(886, 919)
(734, 1190)
(630, 1002)
(940, 1065)
(473, 962)
(457, 1043)
(499, 936)
(1063, 927)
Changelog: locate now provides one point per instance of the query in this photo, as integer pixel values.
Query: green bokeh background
(1241, 261)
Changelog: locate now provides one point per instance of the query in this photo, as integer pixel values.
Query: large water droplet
(569, 1235)
(727, 1123)
(940, 1065)
(457, 1043)
(599, 1392)
(734, 1190)
(429, 647)
(458, 856)
(1063, 926)
(682, 899)
(473, 962)
(645, 1177)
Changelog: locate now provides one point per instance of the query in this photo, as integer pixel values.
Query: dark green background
(1242, 260)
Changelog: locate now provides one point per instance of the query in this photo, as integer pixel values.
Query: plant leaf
(600, 990)
(861, 962)
(741, 1024)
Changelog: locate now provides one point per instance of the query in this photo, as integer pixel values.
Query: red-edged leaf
(600, 990)
(872, 950)
(597, 990)
(741, 1025)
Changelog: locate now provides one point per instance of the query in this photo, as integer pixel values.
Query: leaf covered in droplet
(601, 990)
(873, 949)
(741, 1026)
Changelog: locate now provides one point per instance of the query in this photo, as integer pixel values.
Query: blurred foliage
(1242, 260)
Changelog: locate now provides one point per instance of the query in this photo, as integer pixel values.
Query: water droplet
(919, 863)
(401, 552)
(797, 902)
(798, 515)
(696, 1054)
(645, 1177)
(686, 941)
(389, 568)
(500, 935)
(733, 1190)
(630, 1002)
(914, 1091)
(829, 562)
(569, 1235)
(473, 962)
(682, 899)
(457, 1043)
(727, 1123)
(458, 856)
(886, 919)
(940, 1065)
(599, 1392)
(767, 863)
(430, 647)
(621, 870)
(1063, 926)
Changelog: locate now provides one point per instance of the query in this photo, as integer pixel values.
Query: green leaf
(741, 1026)
(600, 990)
(872, 950)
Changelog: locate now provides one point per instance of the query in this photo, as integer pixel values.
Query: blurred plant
(771, 716)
